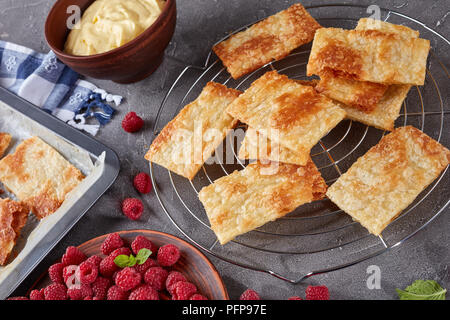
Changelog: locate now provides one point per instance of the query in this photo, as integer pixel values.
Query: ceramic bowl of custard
(128, 63)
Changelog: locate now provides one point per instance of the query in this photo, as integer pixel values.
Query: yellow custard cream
(109, 24)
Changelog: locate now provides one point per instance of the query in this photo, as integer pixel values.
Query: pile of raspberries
(78, 277)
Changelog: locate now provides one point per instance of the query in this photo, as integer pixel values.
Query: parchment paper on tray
(21, 128)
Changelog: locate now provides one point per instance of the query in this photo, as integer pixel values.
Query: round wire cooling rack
(317, 237)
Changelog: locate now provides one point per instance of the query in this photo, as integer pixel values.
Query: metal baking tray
(106, 164)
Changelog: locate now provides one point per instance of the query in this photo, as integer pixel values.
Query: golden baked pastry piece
(5, 140)
(271, 39)
(179, 146)
(13, 216)
(383, 182)
(247, 199)
(372, 24)
(369, 55)
(289, 114)
(39, 176)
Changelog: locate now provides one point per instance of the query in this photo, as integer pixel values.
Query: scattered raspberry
(112, 242)
(114, 276)
(142, 183)
(80, 292)
(100, 288)
(107, 267)
(73, 256)
(55, 291)
(71, 276)
(172, 278)
(249, 294)
(156, 277)
(141, 242)
(95, 260)
(142, 268)
(18, 298)
(37, 295)
(317, 293)
(128, 279)
(144, 292)
(124, 250)
(116, 293)
(197, 296)
(132, 122)
(183, 290)
(132, 208)
(88, 272)
(55, 272)
(168, 255)
(295, 298)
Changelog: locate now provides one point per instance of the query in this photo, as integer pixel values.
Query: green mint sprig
(123, 261)
(422, 290)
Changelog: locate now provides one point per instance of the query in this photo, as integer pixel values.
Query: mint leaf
(143, 255)
(422, 290)
(122, 261)
(131, 261)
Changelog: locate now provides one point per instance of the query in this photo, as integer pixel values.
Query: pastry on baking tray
(247, 199)
(369, 55)
(288, 113)
(383, 182)
(13, 216)
(39, 176)
(271, 39)
(187, 141)
(5, 140)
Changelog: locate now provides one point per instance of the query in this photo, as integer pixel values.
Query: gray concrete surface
(200, 24)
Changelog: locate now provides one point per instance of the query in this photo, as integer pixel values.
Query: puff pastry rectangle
(5, 140)
(39, 176)
(369, 55)
(187, 141)
(260, 193)
(13, 216)
(289, 114)
(388, 178)
(271, 39)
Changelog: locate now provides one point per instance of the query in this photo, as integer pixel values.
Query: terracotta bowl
(192, 263)
(129, 63)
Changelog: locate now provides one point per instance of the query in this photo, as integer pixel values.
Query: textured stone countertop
(200, 24)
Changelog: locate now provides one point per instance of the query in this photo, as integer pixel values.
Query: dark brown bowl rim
(124, 47)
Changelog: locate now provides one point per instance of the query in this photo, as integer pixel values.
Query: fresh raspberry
(132, 208)
(71, 275)
(124, 250)
(132, 122)
(55, 272)
(317, 293)
(116, 293)
(197, 296)
(55, 291)
(88, 272)
(112, 242)
(37, 295)
(80, 292)
(18, 298)
(295, 298)
(108, 267)
(128, 279)
(172, 278)
(88, 298)
(95, 260)
(141, 242)
(144, 292)
(142, 268)
(142, 183)
(249, 294)
(156, 277)
(168, 255)
(73, 256)
(183, 290)
(100, 288)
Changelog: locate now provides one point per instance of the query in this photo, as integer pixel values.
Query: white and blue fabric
(49, 84)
